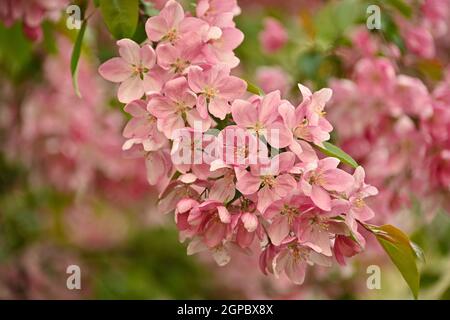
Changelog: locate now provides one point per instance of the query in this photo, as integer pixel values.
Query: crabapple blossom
(215, 88)
(274, 36)
(131, 70)
(234, 169)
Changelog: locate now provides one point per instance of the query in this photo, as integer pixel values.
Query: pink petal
(196, 79)
(337, 180)
(279, 230)
(248, 183)
(214, 233)
(156, 28)
(115, 70)
(129, 51)
(296, 270)
(131, 89)
(137, 108)
(232, 88)
(321, 198)
(219, 108)
(250, 221)
(266, 197)
(147, 56)
(244, 113)
(268, 110)
(173, 13)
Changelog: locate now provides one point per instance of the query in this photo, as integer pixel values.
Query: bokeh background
(69, 196)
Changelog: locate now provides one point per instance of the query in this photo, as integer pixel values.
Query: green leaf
(76, 53)
(120, 16)
(331, 150)
(402, 253)
(252, 88)
(401, 6)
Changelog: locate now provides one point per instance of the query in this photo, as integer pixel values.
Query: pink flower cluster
(422, 33)
(266, 182)
(31, 13)
(402, 125)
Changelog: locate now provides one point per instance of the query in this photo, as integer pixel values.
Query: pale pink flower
(218, 12)
(358, 209)
(375, 76)
(179, 58)
(284, 215)
(142, 126)
(221, 50)
(293, 260)
(274, 36)
(324, 177)
(273, 78)
(174, 106)
(419, 41)
(131, 70)
(271, 182)
(411, 97)
(261, 116)
(215, 88)
(210, 219)
(315, 230)
(171, 24)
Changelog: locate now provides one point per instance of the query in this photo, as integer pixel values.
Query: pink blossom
(274, 36)
(220, 50)
(375, 76)
(271, 182)
(293, 260)
(323, 177)
(306, 122)
(174, 106)
(131, 70)
(284, 215)
(171, 24)
(179, 58)
(143, 126)
(215, 88)
(218, 12)
(419, 41)
(273, 78)
(261, 116)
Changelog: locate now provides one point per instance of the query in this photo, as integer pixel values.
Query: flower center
(290, 212)
(210, 93)
(360, 203)
(268, 181)
(316, 179)
(179, 65)
(298, 253)
(140, 70)
(171, 35)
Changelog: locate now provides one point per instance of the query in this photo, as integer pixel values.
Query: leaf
(252, 88)
(331, 150)
(401, 6)
(418, 251)
(76, 53)
(120, 16)
(402, 253)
